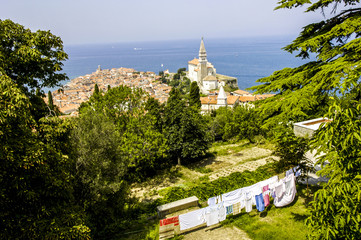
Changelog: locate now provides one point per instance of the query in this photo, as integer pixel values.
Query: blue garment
(289, 172)
(298, 172)
(229, 210)
(260, 202)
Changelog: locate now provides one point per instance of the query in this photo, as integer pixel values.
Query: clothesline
(283, 192)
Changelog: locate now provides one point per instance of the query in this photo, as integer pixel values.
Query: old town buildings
(71, 95)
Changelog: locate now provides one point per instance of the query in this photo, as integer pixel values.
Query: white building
(202, 71)
(213, 102)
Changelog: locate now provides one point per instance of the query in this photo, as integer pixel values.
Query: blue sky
(106, 21)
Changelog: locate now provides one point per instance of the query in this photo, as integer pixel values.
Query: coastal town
(71, 95)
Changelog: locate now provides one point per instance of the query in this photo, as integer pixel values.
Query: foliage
(291, 151)
(38, 107)
(53, 109)
(187, 136)
(155, 109)
(245, 124)
(206, 189)
(99, 161)
(222, 117)
(181, 71)
(241, 122)
(336, 209)
(303, 92)
(179, 81)
(143, 147)
(96, 90)
(36, 198)
(194, 96)
(30, 59)
(50, 100)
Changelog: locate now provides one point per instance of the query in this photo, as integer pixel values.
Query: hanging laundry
(222, 213)
(218, 199)
(274, 194)
(251, 191)
(229, 210)
(259, 202)
(212, 201)
(237, 208)
(289, 172)
(248, 203)
(279, 189)
(192, 219)
(232, 197)
(266, 192)
(297, 171)
(215, 214)
(212, 216)
(289, 192)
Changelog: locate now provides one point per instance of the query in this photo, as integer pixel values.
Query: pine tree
(304, 92)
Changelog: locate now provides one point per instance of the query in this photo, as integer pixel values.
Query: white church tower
(222, 98)
(202, 71)
(202, 64)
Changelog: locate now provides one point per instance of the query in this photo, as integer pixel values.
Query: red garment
(266, 195)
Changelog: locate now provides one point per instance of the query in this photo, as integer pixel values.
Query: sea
(247, 59)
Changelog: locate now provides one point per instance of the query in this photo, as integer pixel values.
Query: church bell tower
(203, 63)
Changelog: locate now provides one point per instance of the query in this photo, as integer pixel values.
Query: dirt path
(216, 233)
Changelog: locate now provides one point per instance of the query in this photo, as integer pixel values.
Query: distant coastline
(247, 59)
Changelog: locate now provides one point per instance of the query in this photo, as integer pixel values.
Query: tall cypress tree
(96, 89)
(50, 101)
(194, 96)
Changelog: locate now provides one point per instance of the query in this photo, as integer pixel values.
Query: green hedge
(206, 189)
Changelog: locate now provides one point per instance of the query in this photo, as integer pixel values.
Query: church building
(202, 71)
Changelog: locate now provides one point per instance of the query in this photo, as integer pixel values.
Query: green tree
(31, 59)
(181, 71)
(53, 109)
(144, 148)
(96, 90)
(336, 212)
(155, 109)
(186, 133)
(304, 92)
(36, 194)
(222, 116)
(100, 170)
(194, 96)
(50, 100)
(244, 124)
(38, 107)
(291, 151)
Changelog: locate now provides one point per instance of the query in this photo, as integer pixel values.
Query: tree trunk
(179, 161)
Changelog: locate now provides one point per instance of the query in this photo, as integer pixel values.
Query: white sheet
(192, 219)
(289, 193)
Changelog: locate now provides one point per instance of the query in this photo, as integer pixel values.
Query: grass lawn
(276, 223)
